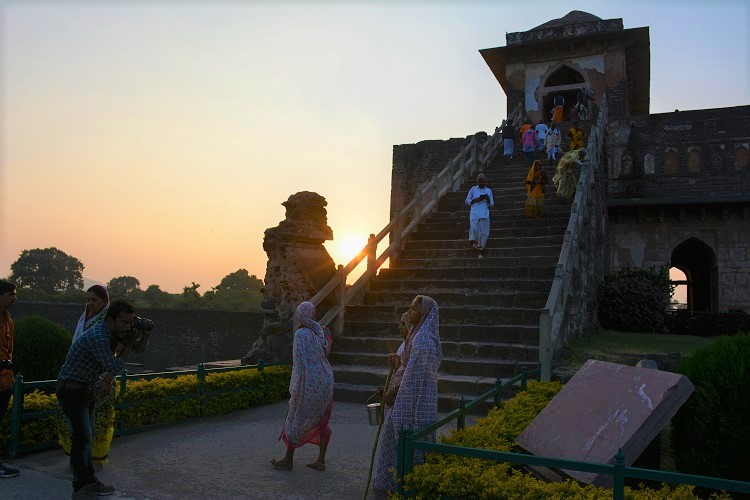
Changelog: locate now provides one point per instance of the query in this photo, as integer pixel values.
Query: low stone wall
(179, 338)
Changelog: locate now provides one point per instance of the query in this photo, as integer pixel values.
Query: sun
(345, 248)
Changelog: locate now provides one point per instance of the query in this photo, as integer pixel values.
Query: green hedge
(710, 432)
(148, 401)
(451, 476)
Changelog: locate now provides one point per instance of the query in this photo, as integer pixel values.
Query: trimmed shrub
(40, 347)
(632, 304)
(710, 435)
(158, 401)
(705, 324)
(451, 476)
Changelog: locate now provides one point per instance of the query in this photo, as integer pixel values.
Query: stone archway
(564, 80)
(698, 261)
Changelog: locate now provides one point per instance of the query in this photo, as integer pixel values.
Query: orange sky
(159, 141)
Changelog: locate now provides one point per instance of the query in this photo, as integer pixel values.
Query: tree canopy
(123, 287)
(239, 280)
(47, 269)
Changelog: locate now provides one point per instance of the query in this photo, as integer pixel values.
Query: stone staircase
(489, 308)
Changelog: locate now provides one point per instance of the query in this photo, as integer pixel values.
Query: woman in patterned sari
(415, 404)
(565, 178)
(310, 390)
(535, 181)
(97, 303)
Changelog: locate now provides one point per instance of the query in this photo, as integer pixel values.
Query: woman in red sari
(310, 390)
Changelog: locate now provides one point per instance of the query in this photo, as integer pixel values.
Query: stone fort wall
(179, 338)
(687, 153)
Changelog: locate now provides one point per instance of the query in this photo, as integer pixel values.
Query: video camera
(6, 364)
(141, 323)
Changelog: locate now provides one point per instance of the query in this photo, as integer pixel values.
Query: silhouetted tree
(123, 287)
(47, 269)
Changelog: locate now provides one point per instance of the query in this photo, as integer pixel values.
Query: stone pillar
(298, 266)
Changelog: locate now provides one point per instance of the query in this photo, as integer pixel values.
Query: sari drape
(416, 403)
(565, 179)
(535, 181)
(311, 385)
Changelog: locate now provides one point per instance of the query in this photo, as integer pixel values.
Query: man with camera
(90, 358)
(480, 200)
(7, 300)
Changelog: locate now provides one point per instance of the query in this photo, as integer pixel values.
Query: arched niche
(741, 157)
(671, 161)
(694, 159)
(564, 80)
(698, 261)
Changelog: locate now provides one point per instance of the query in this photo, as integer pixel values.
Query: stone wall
(179, 338)
(687, 153)
(647, 236)
(556, 33)
(415, 164)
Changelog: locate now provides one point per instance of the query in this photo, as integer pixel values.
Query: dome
(572, 17)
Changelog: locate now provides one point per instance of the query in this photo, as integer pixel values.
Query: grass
(613, 346)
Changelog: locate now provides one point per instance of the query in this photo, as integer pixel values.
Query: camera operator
(7, 300)
(90, 355)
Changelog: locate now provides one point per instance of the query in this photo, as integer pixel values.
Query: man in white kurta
(480, 200)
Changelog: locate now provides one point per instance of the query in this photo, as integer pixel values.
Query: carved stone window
(694, 159)
(627, 164)
(671, 161)
(741, 157)
(649, 164)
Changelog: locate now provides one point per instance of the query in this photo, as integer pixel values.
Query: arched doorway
(563, 81)
(698, 262)
(681, 282)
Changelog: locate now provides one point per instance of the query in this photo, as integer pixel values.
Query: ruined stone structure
(298, 266)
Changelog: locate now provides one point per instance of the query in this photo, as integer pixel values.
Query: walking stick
(377, 436)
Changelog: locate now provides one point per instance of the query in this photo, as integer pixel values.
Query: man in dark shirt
(7, 300)
(509, 135)
(89, 358)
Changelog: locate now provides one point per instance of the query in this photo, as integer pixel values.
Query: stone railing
(571, 304)
(472, 157)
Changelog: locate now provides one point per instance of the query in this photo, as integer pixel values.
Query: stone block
(604, 407)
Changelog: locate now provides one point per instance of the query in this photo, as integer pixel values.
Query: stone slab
(605, 406)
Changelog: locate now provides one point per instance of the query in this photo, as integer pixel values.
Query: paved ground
(219, 457)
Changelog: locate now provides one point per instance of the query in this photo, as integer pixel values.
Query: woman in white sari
(310, 390)
(415, 404)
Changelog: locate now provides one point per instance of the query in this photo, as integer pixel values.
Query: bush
(632, 304)
(40, 347)
(157, 401)
(451, 476)
(710, 435)
(702, 324)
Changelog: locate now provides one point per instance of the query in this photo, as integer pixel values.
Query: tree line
(51, 274)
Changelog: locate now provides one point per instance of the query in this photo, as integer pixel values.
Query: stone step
(476, 315)
(452, 232)
(462, 298)
(478, 367)
(460, 221)
(519, 333)
(550, 251)
(492, 259)
(417, 285)
(472, 274)
(380, 346)
(498, 242)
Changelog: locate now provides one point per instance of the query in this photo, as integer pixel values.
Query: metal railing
(18, 416)
(410, 440)
(459, 169)
(570, 305)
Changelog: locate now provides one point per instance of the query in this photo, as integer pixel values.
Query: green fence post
(123, 388)
(498, 387)
(16, 417)
(461, 420)
(400, 461)
(618, 488)
(261, 365)
(408, 452)
(201, 373)
(524, 377)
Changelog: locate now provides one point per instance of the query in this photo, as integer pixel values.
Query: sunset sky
(159, 139)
